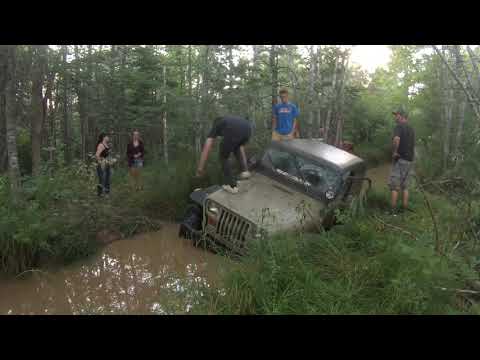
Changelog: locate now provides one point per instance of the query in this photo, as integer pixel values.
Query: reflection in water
(153, 273)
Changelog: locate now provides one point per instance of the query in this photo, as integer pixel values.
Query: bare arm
(295, 128)
(274, 122)
(396, 143)
(100, 148)
(205, 152)
(244, 158)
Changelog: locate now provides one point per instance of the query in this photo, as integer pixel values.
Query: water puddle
(155, 273)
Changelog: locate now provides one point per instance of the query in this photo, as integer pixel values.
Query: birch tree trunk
(311, 94)
(291, 70)
(11, 121)
(67, 133)
(3, 118)
(447, 113)
(318, 82)
(274, 75)
(36, 108)
(341, 101)
(164, 120)
(460, 102)
(3, 131)
(332, 98)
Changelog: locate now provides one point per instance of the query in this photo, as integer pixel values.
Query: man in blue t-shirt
(284, 122)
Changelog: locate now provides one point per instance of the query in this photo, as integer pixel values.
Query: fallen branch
(459, 290)
(31, 270)
(395, 227)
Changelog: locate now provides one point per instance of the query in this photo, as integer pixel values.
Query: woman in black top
(135, 154)
(103, 167)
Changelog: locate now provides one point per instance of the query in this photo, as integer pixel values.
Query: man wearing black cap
(236, 133)
(403, 155)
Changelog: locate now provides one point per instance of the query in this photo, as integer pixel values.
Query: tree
(3, 118)
(67, 129)
(37, 104)
(11, 120)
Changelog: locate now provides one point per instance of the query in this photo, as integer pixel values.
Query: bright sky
(370, 57)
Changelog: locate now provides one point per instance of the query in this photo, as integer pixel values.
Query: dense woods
(56, 99)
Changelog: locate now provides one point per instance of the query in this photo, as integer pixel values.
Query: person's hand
(395, 156)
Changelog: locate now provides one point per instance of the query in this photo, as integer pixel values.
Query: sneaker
(245, 175)
(392, 212)
(230, 189)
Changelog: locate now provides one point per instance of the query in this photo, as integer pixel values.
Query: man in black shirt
(236, 132)
(403, 156)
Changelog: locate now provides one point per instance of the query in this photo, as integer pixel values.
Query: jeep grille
(232, 228)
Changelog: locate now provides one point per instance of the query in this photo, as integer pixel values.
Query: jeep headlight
(212, 208)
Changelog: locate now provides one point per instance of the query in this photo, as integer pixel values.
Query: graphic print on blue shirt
(285, 114)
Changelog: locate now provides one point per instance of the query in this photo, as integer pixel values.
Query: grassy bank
(371, 264)
(59, 216)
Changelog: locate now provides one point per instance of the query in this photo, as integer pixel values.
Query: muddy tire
(329, 221)
(191, 220)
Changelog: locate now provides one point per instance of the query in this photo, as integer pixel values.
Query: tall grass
(359, 267)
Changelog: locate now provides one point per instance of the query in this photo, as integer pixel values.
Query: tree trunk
(11, 121)
(311, 94)
(473, 99)
(460, 102)
(341, 100)
(291, 70)
(3, 130)
(189, 71)
(37, 108)
(164, 120)
(447, 105)
(274, 75)
(476, 70)
(203, 95)
(67, 133)
(3, 118)
(318, 82)
(331, 107)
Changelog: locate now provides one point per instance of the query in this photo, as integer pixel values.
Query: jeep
(296, 185)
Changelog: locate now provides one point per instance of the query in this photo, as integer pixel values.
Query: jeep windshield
(307, 175)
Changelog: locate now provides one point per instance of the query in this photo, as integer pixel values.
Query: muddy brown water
(155, 273)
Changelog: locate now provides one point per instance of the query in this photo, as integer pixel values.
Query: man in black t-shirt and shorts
(236, 133)
(403, 156)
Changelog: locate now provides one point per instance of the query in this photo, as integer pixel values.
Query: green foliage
(353, 269)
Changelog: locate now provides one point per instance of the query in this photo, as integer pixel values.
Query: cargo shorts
(402, 171)
(279, 137)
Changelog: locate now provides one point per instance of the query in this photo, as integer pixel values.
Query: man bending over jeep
(236, 133)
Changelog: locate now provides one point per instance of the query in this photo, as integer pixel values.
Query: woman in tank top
(103, 168)
(135, 153)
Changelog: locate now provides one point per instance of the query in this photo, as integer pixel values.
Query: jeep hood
(269, 204)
